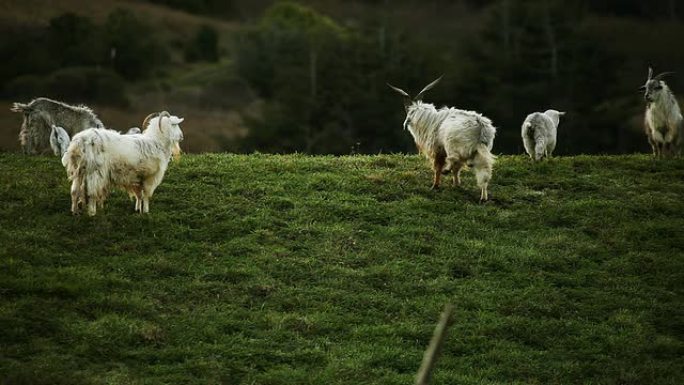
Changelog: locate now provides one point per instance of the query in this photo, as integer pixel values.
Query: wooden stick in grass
(432, 352)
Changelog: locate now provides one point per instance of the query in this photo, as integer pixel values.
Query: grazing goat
(99, 159)
(39, 116)
(663, 119)
(451, 137)
(59, 140)
(539, 133)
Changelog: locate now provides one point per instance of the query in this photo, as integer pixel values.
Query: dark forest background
(310, 76)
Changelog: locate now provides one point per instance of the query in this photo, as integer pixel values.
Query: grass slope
(269, 269)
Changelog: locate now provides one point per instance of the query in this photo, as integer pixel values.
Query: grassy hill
(266, 269)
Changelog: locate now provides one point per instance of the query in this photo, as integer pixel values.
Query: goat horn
(399, 90)
(147, 119)
(161, 115)
(660, 75)
(427, 88)
(650, 73)
(407, 98)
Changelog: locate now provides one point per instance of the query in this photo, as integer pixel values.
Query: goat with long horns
(663, 119)
(450, 138)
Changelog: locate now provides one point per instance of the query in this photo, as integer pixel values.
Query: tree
(133, 48)
(325, 84)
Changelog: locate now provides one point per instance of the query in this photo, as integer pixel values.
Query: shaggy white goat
(59, 138)
(539, 132)
(98, 160)
(663, 119)
(451, 137)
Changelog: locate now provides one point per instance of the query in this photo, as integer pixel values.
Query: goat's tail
(487, 133)
(529, 130)
(21, 107)
(74, 161)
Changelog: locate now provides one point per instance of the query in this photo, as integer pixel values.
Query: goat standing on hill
(451, 137)
(99, 160)
(663, 119)
(42, 113)
(539, 132)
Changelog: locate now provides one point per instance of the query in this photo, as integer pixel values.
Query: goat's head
(169, 126)
(133, 131)
(654, 85)
(59, 140)
(407, 99)
(554, 115)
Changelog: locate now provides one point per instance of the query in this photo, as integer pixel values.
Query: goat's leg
(147, 190)
(437, 166)
(137, 193)
(75, 196)
(138, 203)
(456, 168)
(91, 203)
(653, 146)
(482, 165)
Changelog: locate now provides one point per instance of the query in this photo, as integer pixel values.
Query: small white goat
(98, 160)
(451, 137)
(663, 119)
(539, 131)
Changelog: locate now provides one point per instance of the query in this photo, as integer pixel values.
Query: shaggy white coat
(539, 133)
(663, 122)
(99, 160)
(454, 138)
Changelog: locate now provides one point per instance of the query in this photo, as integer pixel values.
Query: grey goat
(42, 113)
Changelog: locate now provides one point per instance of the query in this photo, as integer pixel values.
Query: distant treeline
(325, 88)
(322, 81)
(75, 59)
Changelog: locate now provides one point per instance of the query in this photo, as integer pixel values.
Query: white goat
(98, 160)
(59, 138)
(539, 131)
(663, 119)
(451, 137)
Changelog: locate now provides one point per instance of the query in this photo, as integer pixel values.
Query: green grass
(267, 269)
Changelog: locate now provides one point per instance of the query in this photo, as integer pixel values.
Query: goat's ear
(650, 73)
(561, 113)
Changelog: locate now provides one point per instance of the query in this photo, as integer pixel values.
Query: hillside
(264, 269)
